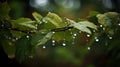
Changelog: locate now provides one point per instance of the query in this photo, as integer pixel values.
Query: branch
(24, 31)
(61, 29)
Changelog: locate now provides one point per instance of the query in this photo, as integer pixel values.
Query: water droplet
(69, 29)
(27, 36)
(110, 37)
(64, 44)
(44, 21)
(103, 28)
(88, 48)
(119, 24)
(96, 39)
(88, 35)
(101, 25)
(74, 34)
(44, 47)
(53, 42)
(74, 37)
(36, 25)
(53, 32)
(16, 38)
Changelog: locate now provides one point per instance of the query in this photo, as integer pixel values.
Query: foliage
(27, 35)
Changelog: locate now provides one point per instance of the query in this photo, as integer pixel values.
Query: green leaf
(54, 19)
(9, 48)
(83, 25)
(4, 11)
(43, 40)
(104, 20)
(58, 36)
(17, 34)
(37, 17)
(23, 49)
(23, 24)
(108, 19)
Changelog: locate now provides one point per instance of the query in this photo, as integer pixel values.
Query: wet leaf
(107, 19)
(54, 19)
(9, 48)
(58, 36)
(104, 20)
(23, 49)
(23, 24)
(83, 25)
(37, 17)
(43, 40)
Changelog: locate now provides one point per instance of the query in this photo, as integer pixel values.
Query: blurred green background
(79, 54)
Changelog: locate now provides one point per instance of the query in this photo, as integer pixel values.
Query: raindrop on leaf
(103, 28)
(101, 25)
(44, 47)
(53, 42)
(74, 37)
(119, 24)
(88, 35)
(74, 34)
(64, 44)
(88, 48)
(53, 32)
(27, 36)
(44, 21)
(16, 38)
(96, 39)
(110, 37)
